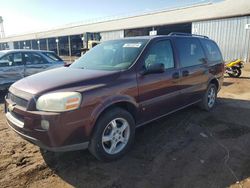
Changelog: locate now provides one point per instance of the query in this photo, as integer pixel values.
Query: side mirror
(154, 69)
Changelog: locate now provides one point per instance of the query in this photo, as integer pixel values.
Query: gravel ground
(190, 148)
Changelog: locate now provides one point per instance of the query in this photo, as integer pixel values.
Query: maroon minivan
(119, 85)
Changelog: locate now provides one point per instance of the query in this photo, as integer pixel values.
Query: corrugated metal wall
(110, 35)
(231, 35)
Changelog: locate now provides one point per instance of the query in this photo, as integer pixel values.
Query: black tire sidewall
(236, 75)
(96, 147)
(239, 72)
(204, 103)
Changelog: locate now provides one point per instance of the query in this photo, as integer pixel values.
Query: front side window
(160, 52)
(190, 52)
(6, 60)
(17, 59)
(111, 55)
(212, 51)
(13, 59)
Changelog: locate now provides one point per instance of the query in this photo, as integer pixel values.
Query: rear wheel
(209, 98)
(113, 135)
(236, 72)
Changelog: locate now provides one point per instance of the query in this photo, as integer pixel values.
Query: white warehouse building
(227, 22)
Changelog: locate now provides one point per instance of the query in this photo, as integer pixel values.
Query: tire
(113, 135)
(237, 72)
(209, 98)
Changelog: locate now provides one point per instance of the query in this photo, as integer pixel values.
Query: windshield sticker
(132, 45)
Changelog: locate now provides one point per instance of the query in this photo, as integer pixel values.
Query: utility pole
(2, 34)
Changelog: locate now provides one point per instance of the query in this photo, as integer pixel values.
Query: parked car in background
(118, 85)
(17, 64)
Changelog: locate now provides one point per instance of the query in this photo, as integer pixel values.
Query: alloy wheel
(211, 97)
(115, 136)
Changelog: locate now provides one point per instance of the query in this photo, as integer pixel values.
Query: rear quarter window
(52, 56)
(212, 51)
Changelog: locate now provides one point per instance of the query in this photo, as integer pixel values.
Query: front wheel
(209, 98)
(113, 135)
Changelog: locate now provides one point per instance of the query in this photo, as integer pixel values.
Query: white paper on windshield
(132, 45)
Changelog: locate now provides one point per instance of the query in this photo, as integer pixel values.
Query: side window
(190, 52)
(212, 51)
(52, 56)
(33, 58)
(160, 52)
(6, 60)
(17, 59)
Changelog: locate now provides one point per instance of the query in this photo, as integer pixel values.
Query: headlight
(59, 102)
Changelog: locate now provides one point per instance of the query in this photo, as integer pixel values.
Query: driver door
(158, 93)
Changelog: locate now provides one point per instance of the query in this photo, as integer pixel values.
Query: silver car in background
(17, 64)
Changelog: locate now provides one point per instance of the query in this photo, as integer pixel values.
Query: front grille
(17, 100)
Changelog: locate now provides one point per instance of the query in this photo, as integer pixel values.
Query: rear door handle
(185, 73)
(176, 75)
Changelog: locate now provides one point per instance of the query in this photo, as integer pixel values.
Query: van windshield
(111, 55)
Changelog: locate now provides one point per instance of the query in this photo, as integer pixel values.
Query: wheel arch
(127, 104)
(215, 82)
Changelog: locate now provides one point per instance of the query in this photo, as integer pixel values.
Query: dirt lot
(190, 148)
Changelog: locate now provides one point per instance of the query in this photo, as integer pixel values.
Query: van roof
(24, 50)
(173, 34)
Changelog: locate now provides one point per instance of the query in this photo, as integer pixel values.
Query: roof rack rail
(186, 34)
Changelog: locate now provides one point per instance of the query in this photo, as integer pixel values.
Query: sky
(24, 16)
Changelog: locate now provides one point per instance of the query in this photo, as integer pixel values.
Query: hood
(62, 78)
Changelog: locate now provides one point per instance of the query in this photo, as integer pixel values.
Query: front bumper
(65, 133)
